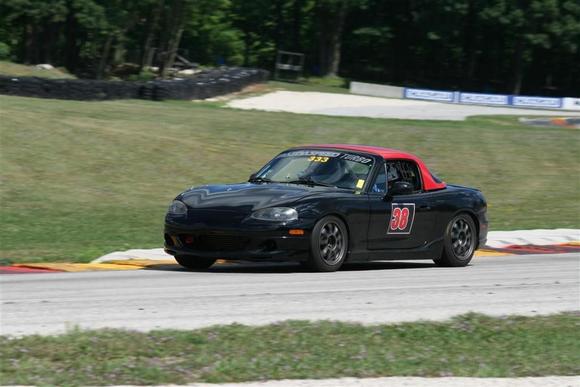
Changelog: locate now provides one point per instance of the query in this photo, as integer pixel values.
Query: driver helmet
(328, 172)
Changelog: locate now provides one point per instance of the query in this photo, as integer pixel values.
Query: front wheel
(194, 263)
(328, 245)
(460, 241)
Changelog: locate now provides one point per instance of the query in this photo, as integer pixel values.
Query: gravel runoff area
(361, 106)
(548, 381)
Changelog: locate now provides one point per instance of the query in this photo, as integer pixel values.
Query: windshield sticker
(310, 153)
(402, 216)
(326, 155)
(319, 159)
(355, 158)
(360, 183)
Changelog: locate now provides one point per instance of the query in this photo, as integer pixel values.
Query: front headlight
(276, 214)
(177, 208)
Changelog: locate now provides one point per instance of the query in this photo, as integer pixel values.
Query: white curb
(500, 239)
(495, 239)
(152, 254)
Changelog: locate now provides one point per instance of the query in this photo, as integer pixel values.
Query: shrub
(4, 51)
(145, 75)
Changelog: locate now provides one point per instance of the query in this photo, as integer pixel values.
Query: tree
(173, 29)
(330, 16)
(531, 28)
(255, 21)
(153, 22)
(507, 46)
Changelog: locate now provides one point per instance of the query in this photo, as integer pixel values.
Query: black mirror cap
(252, 176)
(401, 188)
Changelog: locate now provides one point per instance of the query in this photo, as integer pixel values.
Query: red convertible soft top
(429, 182)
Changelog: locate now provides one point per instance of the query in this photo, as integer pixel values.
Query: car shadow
(291, 267)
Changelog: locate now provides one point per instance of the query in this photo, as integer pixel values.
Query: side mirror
(401, 188)
(252, 176)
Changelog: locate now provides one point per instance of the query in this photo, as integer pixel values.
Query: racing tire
(194, 263)
(460, 241)
(328, 245)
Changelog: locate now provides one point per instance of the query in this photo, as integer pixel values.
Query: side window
(380, 183)
(402, 170)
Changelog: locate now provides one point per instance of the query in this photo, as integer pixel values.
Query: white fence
(376, 90)
(505, 100)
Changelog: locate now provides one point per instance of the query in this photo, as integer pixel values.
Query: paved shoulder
(378, 292)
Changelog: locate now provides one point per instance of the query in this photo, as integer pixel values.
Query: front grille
(216, 217)
(221, 243)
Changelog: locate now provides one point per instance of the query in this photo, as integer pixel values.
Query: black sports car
(324, 205)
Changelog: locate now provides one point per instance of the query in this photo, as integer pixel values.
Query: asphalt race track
(371, 293)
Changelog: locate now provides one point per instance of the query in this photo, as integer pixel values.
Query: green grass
(81, 179)
(323, 85)
(20, 70)
(470, 345)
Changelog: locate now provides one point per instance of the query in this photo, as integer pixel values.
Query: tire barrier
(206, 84)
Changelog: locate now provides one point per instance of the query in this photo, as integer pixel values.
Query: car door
(399, 221)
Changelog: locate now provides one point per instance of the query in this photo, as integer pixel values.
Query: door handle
(425, 207)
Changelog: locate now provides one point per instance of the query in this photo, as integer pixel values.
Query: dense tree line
(516, 46)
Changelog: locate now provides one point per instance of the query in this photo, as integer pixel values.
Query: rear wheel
(460, 241)
(328, 245)
(194, 263)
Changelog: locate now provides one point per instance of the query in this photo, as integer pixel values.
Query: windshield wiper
(260, 180)
(309, 181)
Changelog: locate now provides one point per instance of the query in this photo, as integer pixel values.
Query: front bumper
(483, 229)
(273, 243)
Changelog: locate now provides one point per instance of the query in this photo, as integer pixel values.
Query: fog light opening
(269, 245)
(169, 240)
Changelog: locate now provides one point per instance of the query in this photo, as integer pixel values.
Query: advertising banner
(430, 95)
(571, 103)
(493, 99)
(539, 102)
(484, 99)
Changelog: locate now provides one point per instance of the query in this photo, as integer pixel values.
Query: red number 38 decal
(402, 215)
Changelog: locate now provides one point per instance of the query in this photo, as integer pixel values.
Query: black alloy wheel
(329, 244)
(462, 239)
(460, 242)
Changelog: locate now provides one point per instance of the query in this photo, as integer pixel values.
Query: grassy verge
(469, 345)
(81, 179)
(323, 85)
(20, 70)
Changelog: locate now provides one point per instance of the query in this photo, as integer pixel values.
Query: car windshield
(325, 168)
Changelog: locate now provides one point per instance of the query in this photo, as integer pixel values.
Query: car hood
(245, 197)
